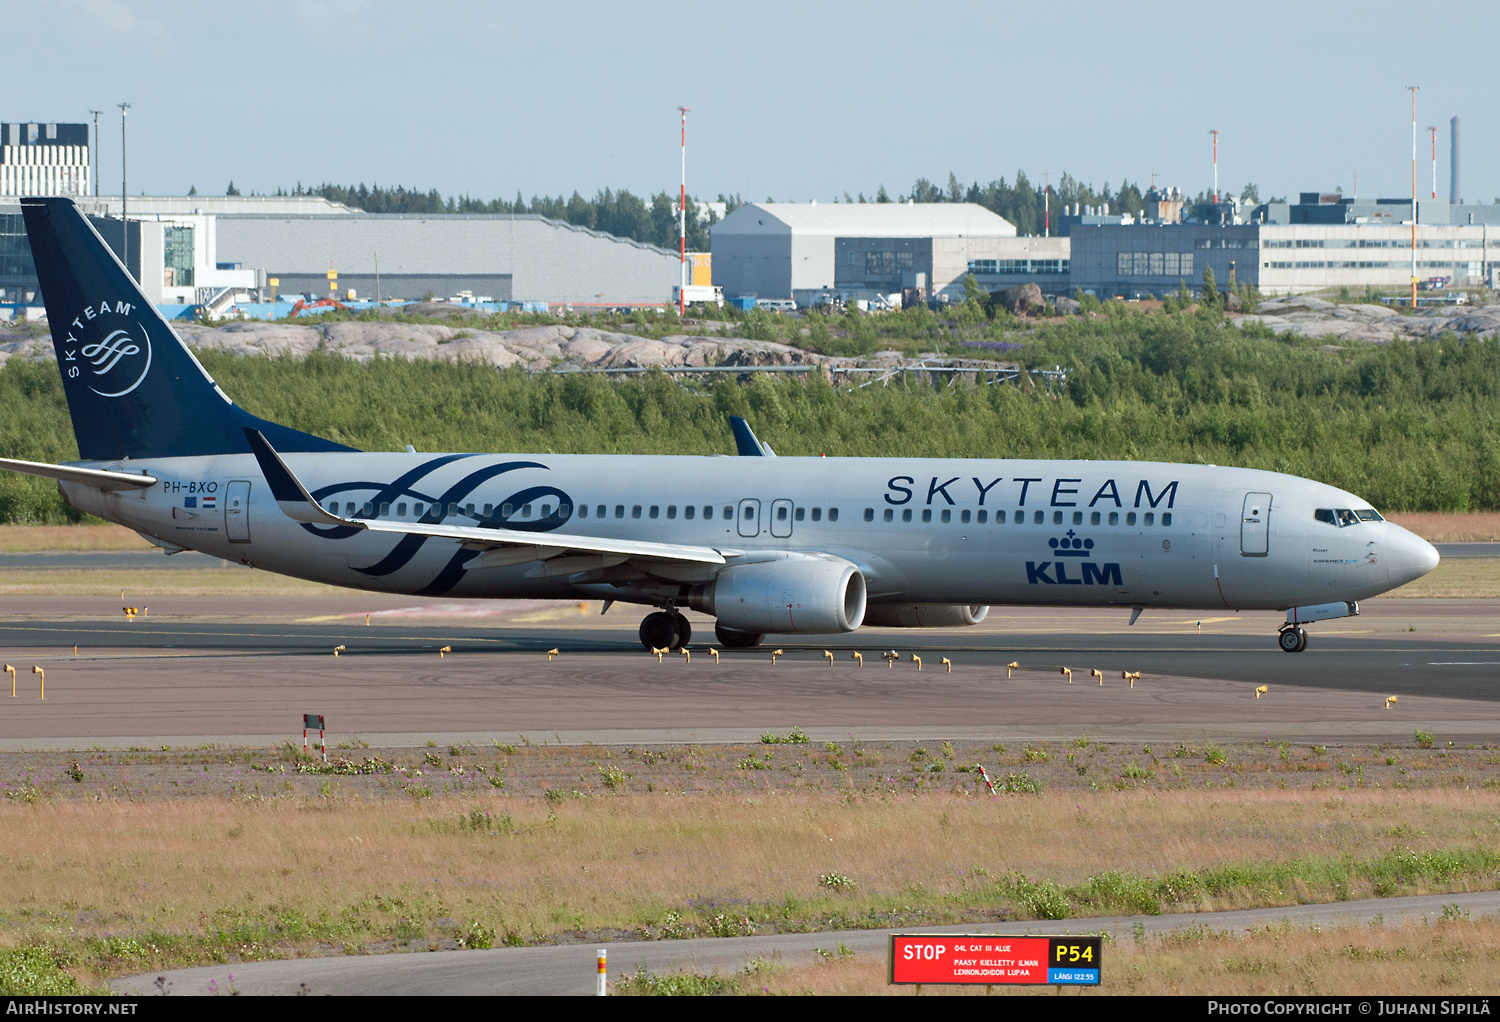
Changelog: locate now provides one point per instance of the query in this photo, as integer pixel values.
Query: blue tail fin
(133, 388)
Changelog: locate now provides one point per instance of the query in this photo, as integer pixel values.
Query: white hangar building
(790, 250)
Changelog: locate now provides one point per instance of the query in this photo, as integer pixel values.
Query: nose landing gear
(1292, 639)
(665, 629)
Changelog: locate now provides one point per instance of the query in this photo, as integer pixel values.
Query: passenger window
(635, 511)
(349, 510)
(400, 510)
(620, 511)
(1218, 521)
(525, 510)
(1150, 518)
(906, 514)
(583, 510)
(563, 511)
(999, 517)
(453, 510)
(833, 514)
(781, 514)
(1057, 518)
(964, 516)
(489, 509)
(728, 512)
(869, 514)
(655, 510)
(1077, 517)
(1094, 518)
(333, 507)
(1130, 518)
(947, 516)
(600, 510)
(1036, 518)
(385, 510)
(506, 510)
(418, 510)
(1166, 518)
(984, 516)
(469, 510)
(801, 514)
(1114, 518)
(671, 510)
(546, 510)
(890, 515)
(927, 514)
(749, 513)
(708, 512)
(689, 511)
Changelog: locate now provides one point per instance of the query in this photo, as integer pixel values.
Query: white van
(776, 304)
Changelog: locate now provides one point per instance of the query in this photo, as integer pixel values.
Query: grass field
(119, 887)
(1459, 577)
(1454, 957)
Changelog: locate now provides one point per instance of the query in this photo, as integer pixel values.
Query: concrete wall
(546, 260)
(754, 264)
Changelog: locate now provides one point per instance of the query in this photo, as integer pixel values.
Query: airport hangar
(188, 250)
(784, 250)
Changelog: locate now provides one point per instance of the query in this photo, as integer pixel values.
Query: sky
(791, 101)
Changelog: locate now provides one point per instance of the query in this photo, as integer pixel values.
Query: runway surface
(242, 670)
(569, 968)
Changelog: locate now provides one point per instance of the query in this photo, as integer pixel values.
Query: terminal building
(803, 252)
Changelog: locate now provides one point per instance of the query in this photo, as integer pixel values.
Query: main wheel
(659, 631)
(684, 632)
(736, 640)
(1292, 640)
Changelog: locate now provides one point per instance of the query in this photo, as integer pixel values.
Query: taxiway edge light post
(682, 223)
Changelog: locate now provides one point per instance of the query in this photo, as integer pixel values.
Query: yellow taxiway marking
(1205, 621)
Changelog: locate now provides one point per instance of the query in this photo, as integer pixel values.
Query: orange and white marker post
(602, 983)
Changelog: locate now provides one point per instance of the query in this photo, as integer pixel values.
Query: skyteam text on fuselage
(774, 544)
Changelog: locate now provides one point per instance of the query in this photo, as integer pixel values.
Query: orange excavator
(332, 303)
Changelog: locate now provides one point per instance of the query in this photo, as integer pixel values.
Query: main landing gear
(732, 639)
(1292, 639)
(665, 629)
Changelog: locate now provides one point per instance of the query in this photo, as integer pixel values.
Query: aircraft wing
(298, 504)
(97, 477)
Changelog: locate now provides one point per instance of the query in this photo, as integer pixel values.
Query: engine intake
(809, 594)
(924, 615)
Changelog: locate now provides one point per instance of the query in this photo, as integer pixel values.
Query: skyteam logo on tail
(1056, 573)
(107, 350)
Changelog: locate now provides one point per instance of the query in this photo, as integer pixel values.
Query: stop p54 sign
(990, 958)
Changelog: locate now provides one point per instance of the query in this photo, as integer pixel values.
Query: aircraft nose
(1409, 556)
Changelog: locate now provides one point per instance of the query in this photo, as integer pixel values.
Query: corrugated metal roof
(872, 219)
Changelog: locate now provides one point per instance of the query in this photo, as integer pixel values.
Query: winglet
(291, 496)
(745, 442)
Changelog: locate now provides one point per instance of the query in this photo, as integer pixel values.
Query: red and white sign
(968, 959)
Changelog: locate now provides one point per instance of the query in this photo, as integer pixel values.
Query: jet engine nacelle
(924, 615)
(808, 594)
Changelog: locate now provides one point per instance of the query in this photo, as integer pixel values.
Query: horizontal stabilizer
(99, 478)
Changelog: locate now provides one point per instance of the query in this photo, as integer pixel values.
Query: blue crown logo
(1070, 545)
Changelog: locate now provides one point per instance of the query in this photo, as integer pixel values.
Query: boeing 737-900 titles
(778, 545)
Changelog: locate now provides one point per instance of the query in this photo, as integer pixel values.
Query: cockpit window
(1369, 515)
(1341, 516)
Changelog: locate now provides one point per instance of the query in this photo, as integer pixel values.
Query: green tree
(231, 190)
(1210, 288)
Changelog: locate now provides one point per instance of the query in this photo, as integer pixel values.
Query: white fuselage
(1068, 533)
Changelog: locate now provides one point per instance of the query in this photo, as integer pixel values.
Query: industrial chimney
(1454, 195)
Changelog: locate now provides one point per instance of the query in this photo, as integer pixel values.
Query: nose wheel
(1292, 640)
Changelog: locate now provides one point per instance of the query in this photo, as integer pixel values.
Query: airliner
(764, 544)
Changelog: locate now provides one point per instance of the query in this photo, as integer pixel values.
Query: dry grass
(1456, 957)
(209, 879)
(1451, 527)
(26, 538)
(165, 581)
(1458, 577)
